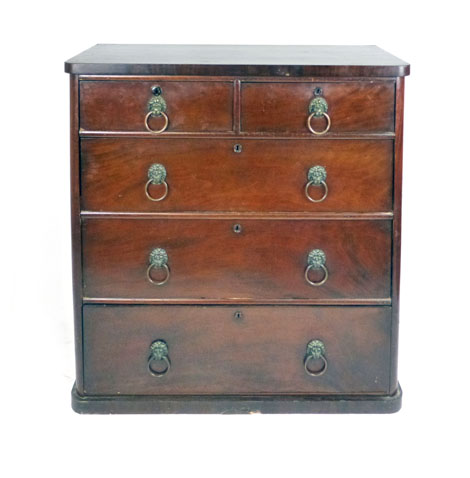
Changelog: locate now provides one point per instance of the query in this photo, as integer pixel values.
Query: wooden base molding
(226, 405)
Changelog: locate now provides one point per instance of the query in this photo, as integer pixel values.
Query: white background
(43, 437)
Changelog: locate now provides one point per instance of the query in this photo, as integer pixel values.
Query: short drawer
(353, 107)
(242, 175)
(191, 106)
(158, 350)
(211, 259)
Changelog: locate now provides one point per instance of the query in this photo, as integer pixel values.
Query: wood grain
(263, 60)
(236, 404)
(209, 261)
(213, 352)
(396, 255)
(76, 232)
(282, 107)
(207, 175)
(122, 105)
(217, 96)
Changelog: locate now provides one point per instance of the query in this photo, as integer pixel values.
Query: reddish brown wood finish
(122, 105)
(237, 404)
(214, 352)
(207, 175)
(76, 229)
(208, 260)
(282, 107)
(396, 259)
(239, 60)
(220, 363)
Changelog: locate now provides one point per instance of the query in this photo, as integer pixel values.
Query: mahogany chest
(236, 228)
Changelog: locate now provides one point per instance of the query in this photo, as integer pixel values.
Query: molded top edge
(237, 60)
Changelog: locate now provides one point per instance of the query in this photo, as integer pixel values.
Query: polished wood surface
(76, 232)
(236, 312)
(237, 404)
(281, 107)
(396, 253)
(214, 351)
(243, 60)
(122, 105)
(207, 175)
(208, 260)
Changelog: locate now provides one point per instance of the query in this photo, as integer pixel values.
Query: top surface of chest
(240, 60)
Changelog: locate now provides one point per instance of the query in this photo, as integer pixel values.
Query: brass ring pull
(327, 128)
(164, 281)
(316, 260)
(157, 131)
(158, 259)
(315, 351)
(316, 177)
(158, 352)
(156, 175)
(156, 107)
(162, 197)
(317, 108)
(325, 193)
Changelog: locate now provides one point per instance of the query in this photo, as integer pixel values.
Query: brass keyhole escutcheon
(238, 148)
(237, 228)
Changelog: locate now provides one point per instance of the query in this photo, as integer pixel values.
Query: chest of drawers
(236, 228)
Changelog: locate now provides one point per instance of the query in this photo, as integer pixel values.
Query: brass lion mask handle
(317, 108)
(316, 176)
(316, 350)
(156, 175)
(156, 107)
(158, 259)
(316, 260)
(158, 353)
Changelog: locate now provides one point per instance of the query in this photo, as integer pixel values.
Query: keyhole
(237, 148)
(318, 91)
(238, 315)
(237, 228)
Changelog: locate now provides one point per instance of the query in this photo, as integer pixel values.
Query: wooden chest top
(237, 60)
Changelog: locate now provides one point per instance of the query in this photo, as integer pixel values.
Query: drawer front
(235, 350)
(235, 259)
(123, 106)
(362, 107)
(208, 175)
